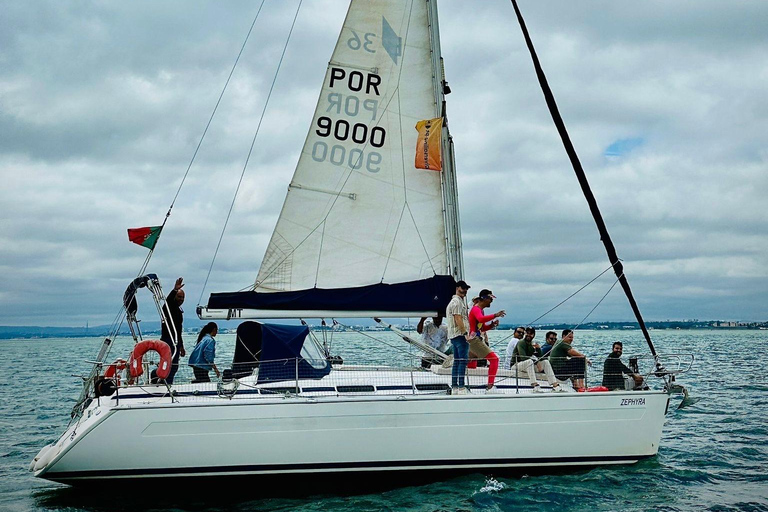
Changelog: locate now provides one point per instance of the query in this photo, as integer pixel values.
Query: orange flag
(429, 143)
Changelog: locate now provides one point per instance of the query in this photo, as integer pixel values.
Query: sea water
(713, 454)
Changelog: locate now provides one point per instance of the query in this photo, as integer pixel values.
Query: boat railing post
(413, 382)
(586, 373)
(517, 378)
(297, 375)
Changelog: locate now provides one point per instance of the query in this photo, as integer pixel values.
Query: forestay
(357, 211)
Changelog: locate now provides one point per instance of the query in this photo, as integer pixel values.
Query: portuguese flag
(145, 236)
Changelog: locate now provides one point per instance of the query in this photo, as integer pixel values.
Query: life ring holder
(135, 366)
(115, 369)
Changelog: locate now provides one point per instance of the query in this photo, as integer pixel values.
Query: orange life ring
(597, 389)
(141, 348)
(113, 370)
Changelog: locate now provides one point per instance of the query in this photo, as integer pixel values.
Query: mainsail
(358, 212)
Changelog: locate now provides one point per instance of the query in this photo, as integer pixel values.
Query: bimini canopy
(278, 351)
(425, 297)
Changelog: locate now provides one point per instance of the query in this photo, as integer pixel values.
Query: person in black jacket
(173, 308)
(614, 370)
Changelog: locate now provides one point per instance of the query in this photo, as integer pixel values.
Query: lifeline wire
(250, 151)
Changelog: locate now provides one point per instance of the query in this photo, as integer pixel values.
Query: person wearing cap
(474, 362)
(457, 315)
(478, 324)
(508, 355)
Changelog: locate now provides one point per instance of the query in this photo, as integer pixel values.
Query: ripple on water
(713, 453)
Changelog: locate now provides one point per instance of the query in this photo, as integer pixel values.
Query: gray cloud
(102, 105)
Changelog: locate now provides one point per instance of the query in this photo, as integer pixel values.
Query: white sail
(357, 211)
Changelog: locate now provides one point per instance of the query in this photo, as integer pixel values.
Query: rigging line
(332, 202)
(496, 343)
(349, 168)
(320, 253)
(250, 151)
(394, 239)
(202, 137)
(330, 342)
(429, 259)
(399, 349)
(405, 190)
(215, 108)
(602, 229)
(598, 303)
(571, 296)
(149, 254)
(402, 144)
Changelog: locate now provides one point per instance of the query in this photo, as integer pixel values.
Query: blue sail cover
(432, 294)
(280, 347)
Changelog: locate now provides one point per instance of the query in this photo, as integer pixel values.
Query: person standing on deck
(204, 354)
(457, 315)
(477, 327)
(173, 309)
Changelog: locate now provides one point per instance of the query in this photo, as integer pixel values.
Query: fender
(134, 362)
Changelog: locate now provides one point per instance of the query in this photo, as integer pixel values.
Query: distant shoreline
(33, 332)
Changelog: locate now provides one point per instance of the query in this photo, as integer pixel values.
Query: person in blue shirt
(201, 359)
(551, 339)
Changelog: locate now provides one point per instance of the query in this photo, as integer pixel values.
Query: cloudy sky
(102, 105)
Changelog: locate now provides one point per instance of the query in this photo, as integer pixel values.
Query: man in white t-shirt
(457, 314)
(435, 334)
(508, 355)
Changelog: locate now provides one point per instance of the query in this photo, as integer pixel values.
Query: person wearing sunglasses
(510, 353)
(549, 341)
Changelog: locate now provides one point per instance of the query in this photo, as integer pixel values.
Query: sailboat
(369, 228)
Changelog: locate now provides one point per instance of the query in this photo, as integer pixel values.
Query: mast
(453, 245)
(618, 268)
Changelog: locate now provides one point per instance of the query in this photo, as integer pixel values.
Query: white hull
(272, 435)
